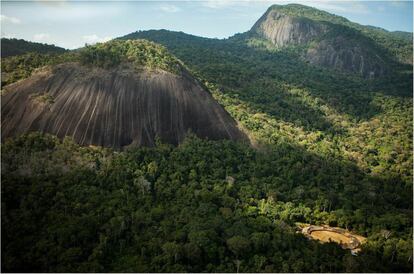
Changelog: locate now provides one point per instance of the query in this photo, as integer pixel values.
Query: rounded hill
(116, 94)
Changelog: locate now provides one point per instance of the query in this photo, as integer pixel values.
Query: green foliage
(15, 68)
(141, 53)
(43, 98)
(238, 245)
(328, 149)
(13, 47)
(331, 119)
(281, 99)
(63, 212)
(394, 42)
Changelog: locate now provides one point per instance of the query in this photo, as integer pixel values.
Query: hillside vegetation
(140, 53)
(398, 44)
(214, 206)
(13, 47)
(332, 114)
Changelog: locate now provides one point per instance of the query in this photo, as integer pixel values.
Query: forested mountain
(328, 146)
(13, 47)
(398, 44)
(404, 35)
(323, 43)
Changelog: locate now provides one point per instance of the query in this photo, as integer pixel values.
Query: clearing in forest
(326, 234)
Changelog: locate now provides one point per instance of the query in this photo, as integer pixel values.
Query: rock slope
(344, 54)
(114, 107)
(323, 43)
(283, 30)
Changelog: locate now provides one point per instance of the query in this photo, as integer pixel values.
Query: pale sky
(71, 24)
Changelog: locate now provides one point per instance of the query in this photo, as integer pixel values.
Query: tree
(238, 245)
(172, 250)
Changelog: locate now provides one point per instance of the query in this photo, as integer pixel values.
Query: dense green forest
(214, 206)
(13, 47)
(364, 121)
(19, 67)
(327, 148)
(140, 53)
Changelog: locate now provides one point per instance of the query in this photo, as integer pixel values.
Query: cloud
(217, 4)
(328, 5)
(398, 3)
(346, 7)
(359, 8)
(381, 8)
(41, 37)
(93, 39)
(9, 19)
(169, 8)
(8, 35)
(74, 11)
(220, 4)
(51, 2)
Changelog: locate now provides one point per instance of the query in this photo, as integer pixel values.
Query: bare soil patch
(326, 234)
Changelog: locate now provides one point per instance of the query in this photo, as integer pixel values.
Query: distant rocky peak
(283, 30)
(323, 38)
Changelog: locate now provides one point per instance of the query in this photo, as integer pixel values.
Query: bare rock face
(342, 54)
(283, 30)
(325, 44)
(114, 107)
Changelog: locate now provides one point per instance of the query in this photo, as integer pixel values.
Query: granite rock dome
(114, 107)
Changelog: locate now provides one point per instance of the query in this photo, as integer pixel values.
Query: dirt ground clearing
(324, 236)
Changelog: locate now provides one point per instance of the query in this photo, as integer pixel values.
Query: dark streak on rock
(115, 107)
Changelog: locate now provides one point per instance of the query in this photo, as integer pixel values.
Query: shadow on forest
(308, 176)
(346, 93)
(187, 192)
(234, 66)
(100, 204)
